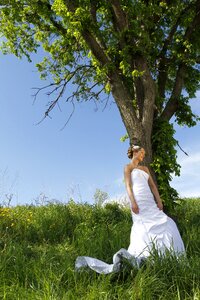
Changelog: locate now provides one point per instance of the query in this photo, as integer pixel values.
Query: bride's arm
(128, 183)
(154, 190)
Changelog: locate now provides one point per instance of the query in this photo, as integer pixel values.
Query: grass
(39, 245)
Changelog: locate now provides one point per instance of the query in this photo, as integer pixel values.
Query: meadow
(39, 245)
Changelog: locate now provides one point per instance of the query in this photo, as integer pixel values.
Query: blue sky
(37, 160)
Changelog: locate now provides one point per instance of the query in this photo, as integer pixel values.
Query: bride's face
(141, 154)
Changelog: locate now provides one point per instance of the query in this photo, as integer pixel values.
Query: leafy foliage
(165, 160)
(60, 26)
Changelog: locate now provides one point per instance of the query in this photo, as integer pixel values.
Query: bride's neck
(135, 162)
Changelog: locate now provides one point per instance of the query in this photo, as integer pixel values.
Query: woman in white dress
(151, 229)
(151, 226)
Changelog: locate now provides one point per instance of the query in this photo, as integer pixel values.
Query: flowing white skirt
(161, 234)
(151, 229)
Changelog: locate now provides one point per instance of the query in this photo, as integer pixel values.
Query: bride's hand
(160, 205)
(135, 208)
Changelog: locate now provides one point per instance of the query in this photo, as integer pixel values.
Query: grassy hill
(39, 245)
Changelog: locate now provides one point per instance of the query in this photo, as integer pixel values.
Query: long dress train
(151, 228)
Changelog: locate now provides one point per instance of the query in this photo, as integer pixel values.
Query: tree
(100, 196)
(145, 53)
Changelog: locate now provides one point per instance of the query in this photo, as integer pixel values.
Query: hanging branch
(182, 149)
(60, 85)
(53, 103)
(73, 110)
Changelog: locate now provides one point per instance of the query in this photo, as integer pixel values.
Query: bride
(151, 229)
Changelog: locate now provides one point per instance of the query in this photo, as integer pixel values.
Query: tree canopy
(145, 53)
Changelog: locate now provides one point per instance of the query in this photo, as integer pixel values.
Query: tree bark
(124, 101)
(138, 129)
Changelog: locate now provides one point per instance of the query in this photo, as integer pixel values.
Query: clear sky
(37, 160)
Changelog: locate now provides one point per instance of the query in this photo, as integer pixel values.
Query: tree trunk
(139, 127)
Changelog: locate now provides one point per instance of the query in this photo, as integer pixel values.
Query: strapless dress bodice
(140, 184)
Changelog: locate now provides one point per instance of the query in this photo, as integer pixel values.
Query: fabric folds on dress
(103, 268)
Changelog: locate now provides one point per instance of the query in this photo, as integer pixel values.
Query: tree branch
(57, 25)
(163, 60)
(93, 10)
(182, 149)
(149, 93)
(139, 91)
(173, 31)
(53, 103)
(124, 101)
(43, 88)
(120, 16)
(120, 22)
(163, 65)
(195, 23)
(172, 104)
(73, 109)
(92, 42)
(95, 47)
(62, 86)
(58, 85)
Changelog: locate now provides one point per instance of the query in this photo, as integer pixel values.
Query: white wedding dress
(151, 229)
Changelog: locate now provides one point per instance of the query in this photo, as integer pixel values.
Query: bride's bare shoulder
(127, 168)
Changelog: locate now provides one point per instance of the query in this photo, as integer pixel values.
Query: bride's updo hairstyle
(133, 150)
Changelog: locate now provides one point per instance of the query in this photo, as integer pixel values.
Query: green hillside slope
(39, 245)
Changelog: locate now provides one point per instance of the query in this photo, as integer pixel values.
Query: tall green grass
(39, 245)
